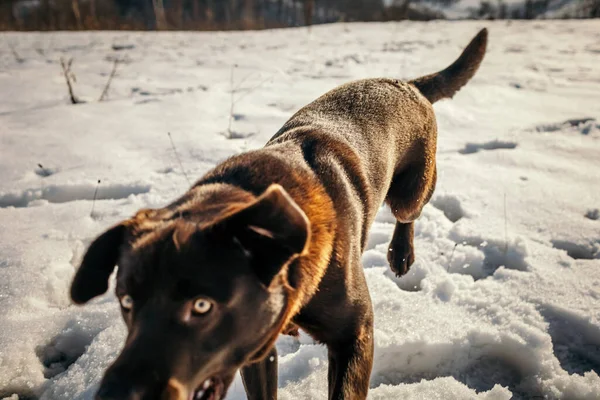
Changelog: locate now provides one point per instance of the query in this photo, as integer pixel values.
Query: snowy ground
(504, 298)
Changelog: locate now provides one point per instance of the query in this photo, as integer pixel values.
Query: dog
(270, 241)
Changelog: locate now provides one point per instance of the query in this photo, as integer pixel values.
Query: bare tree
(594, 8)
(77, 13)
(403, 8)
(259, 12)
(7, 14)
(309, 10)
(159, 14)
(46, 13)
(175, 14)
(93, 15)
(528, 14)
(502, 10)
(486, 10)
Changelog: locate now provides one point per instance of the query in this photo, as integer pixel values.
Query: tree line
(244, 14)
(181, 14)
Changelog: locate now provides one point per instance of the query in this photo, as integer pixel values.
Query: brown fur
(446, 83)
(275, 236)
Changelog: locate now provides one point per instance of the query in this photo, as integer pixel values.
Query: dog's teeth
(199, 394)
(206, 384)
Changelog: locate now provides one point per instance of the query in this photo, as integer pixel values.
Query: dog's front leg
(260, 378)
(350, 364)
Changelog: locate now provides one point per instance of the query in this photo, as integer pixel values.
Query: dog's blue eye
(126, 302)
(202, 306)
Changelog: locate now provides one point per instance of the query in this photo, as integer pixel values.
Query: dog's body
(295, 213)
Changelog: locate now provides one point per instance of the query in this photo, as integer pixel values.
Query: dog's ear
(272, 230)
(98, 263)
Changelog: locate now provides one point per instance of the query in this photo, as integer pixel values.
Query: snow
(503, 300)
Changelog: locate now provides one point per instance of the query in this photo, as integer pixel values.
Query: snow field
(502, 301)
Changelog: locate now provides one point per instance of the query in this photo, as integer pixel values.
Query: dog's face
(199, 300)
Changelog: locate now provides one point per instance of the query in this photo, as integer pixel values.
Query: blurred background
(263, 14)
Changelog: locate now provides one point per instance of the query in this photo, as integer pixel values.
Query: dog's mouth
(211, 389)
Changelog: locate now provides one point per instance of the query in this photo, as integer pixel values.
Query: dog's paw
(401, 259)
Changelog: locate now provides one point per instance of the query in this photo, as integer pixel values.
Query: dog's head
(202, 293)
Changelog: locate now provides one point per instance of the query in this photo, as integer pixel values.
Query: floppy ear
(98, 263)
(272, 229)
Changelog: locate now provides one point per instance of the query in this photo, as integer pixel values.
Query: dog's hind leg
(260, 378)
(410, 190)
(401, 252)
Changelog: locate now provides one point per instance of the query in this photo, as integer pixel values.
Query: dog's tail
(446, 83)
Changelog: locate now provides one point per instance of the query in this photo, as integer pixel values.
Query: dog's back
(375, 129)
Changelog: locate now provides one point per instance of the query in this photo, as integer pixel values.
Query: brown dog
(271, 240)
